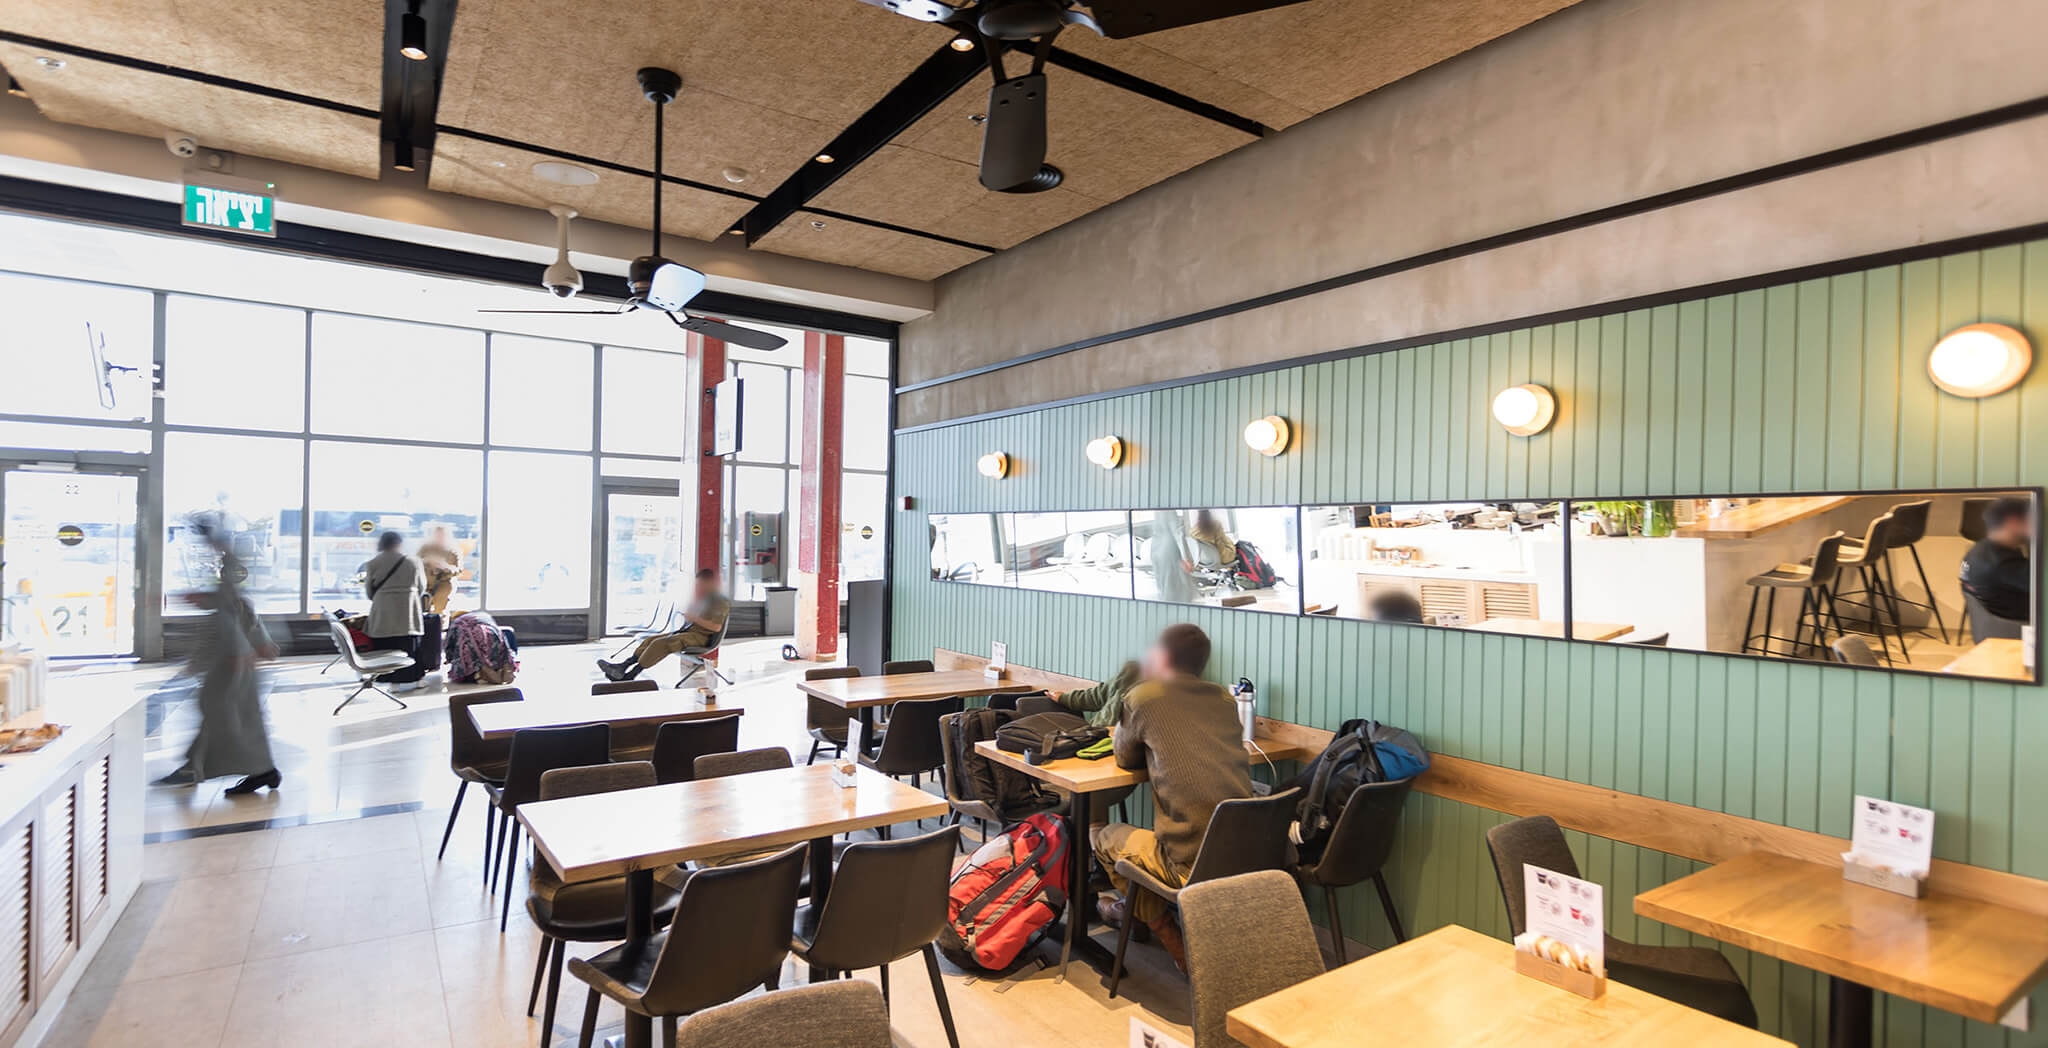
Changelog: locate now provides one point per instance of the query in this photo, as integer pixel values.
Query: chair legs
(511, 864)
(1379, 880)
(540, 966)
(886, 1000)
(1329, 904)
(547, 1020)
(931, 967)
(589, 1032)
(1123, 942)
(461, 787)
(668, 1030)
(368, 685)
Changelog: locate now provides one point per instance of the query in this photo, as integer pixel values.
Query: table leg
(1851, 1007)
(821, 886)
(867, 731)
(639, 927)
(1077, 878)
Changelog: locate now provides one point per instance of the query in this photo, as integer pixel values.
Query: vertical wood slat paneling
(1811, 386)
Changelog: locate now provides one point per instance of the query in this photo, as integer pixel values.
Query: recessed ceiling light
(817, 223)
(734, 231)
(977, 118)
(961, 43)
(825, 158)
(48, 62)
(737, 175)
(564, 174)
(14, 88)
(497, 163)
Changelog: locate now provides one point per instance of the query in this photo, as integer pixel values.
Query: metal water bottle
(1243, 692)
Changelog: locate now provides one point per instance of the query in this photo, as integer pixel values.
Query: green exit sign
(235, 210)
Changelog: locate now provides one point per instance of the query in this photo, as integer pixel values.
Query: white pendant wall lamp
(995, 465)
(1980, 360)
(1268, 436)
(1107, 452)
(1524, 410)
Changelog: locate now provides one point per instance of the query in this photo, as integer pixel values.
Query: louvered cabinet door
(1447, 598)
(54, 901)
(16, 964)
(1507, 600)
(91, 839)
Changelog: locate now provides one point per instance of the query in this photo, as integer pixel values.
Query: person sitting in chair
(703, 620)
(1209, 532)
(1995, 570)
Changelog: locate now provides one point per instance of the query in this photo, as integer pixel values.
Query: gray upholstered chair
(1357, 849)
(1248, 936)
(1691, 975)
(1986, 626)
(768, 758)
(844, 1014)
(888, 902)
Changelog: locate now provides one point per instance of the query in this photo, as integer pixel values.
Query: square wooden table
(636, 832)
(1959, 954)
(861, 695)
(502, 720)
(1455, 986)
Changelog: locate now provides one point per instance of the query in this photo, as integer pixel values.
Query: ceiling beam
(412, 88)
(181, 73)
(1115, 77)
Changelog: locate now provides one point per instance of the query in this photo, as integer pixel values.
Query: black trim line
(181, 73)
(1136, 85)
(957, 242)
(1896, 256)
(589, 161)
(1746, 180)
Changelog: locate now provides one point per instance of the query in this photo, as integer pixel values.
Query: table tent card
(1565, 942)
(1891, 846)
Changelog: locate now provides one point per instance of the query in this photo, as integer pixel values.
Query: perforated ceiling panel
(823, 238)
(494, 172)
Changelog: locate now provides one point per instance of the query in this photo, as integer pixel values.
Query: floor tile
(385, 993)
(333, 902)
(190, 1009)
(207, 856)
(337, 840)
(186, 925)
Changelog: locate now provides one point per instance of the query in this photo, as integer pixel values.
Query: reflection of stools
(1867, 557)
(1908, 527)
(1972, 528)
(1815, 602)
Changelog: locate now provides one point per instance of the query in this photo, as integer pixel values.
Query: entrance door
(642, 550)
(68, 575)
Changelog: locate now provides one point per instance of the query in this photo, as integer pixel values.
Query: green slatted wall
(1808, 386)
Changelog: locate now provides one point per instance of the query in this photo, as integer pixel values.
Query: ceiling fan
(652, 282)
(1013, 134)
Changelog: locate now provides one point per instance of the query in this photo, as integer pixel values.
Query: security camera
(561, 279)
(180, 144)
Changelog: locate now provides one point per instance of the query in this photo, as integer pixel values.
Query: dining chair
(1656, 640)
(622, 687)
(368, 665)
(535, 752)
(962, 793)
(474, 759)
(1855, 652)
(1357, 851)
(698, 657)
(729, 935)
(1247, 936)
(1690, 975)
(888, 901)
(890, 669)
(767, 758)
(827, 723)
(678, 744)
(914, 743)
(841, 1014)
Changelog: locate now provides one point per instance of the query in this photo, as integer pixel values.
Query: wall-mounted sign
(235, 210)
(867, 531)
(70, 534)
(367, 526)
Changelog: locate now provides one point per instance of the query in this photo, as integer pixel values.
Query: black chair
(959, 787)
(908, 666)
(1690, 975)
(888, 901)
(1357, 851)
(730, 934)
(621, 687)
(588, 911)
(719, 765)
(915, 744)
(678, 744)
(535, 752)
(1971, 527)
(827, 723)
(1908, 527)
(474, 759)
(1030, 704)
(1244, 836)
(1002, 702)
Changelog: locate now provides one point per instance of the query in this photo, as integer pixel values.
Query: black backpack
(981, 779)
(1042, 737)
(1364, 751)
(1253, 571)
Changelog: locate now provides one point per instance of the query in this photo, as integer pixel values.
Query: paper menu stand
(1891, 846)
(998, 661)
(1565, 942)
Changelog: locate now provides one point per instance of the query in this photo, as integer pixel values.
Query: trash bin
(779, 619)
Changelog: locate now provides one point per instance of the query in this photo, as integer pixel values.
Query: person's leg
(1116, 840)
(659, 648)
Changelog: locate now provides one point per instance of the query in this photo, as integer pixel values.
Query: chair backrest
(1909, 523)
(619, 687)
(678, 744)
(1972, 526)
(914, 743)
(1030, 704)
(908, 666)
(1827, 557)
(822, 714)
(466, 748)
(1247, 936)
(557, 783)
(1853, 651)
(1245, 836)
(537, 751)
(719, 765)
(888, 899)
(1985, 626)
(1364, 834)
(846, 1013)
(346, 646)
(1534, 841)
(730, 933)
(1002, 702)
(1876, 536)
(1659, 640)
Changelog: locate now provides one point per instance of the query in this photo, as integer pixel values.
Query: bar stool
(1867, 557)
(1815, 603)
(1908, 526)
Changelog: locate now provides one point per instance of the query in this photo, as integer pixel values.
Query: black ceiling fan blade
(732, 333)
(1013, 138)
(561, 312)
(1118, 19)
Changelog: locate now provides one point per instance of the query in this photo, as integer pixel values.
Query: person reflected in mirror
(392, 581)
(1213, 541)
(1996, 571)
(443, 562)
(1183, 732)
(703, 621)
(232, 738)
(1393, 606)
(1167, 555)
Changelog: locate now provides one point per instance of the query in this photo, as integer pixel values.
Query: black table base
(1851, 1008)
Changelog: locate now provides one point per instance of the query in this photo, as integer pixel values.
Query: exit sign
(235, 210)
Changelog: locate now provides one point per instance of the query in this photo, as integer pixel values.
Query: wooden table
(861, 695)
(636, 832)
(1999, 657)
(1455, 986)
(1553, 629)
(502, 720)
(1744, 522)
(1958, 954)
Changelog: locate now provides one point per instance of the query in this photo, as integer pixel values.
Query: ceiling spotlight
(1107, 452)
(412, 33)
(734, 231)
(401, 154)
(824, 158)
(1978, 360)
(995, 465)
(1268, 436)
(737, 175)
(564, 174)
(50, 62)
(1524, 410)
(14, 88)
(817, 223)
(961, 43)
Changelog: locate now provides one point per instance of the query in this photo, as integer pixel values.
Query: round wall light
(1978, 360)
(995, 465)
(1107, 452)
(1267, 436)
(1524, 410)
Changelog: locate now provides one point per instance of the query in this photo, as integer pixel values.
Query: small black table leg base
(639, 926)
(1076, 945)
(821, 886)
(866, 747)
(1851, 1010)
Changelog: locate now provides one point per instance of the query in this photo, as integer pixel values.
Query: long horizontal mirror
(966, 547)
(1495, 566)
(1231, 558)
(1938, 581)
(1087, 553)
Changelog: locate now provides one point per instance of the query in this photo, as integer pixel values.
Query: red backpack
(1005, 894)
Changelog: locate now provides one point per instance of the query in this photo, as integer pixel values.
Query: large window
(387, 378)
(250, 488)
(234, 364)
(56, 336)
(643, 409)
(540, 531)
(540, 393)
(363, 490)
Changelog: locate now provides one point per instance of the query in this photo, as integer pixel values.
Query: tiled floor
(347, 931)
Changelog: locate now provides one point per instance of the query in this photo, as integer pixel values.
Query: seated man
(1183, 732)
(1995, 570)
(702, 621)
(1209, 532)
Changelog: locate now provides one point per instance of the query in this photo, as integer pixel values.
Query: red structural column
(706, 370)
(818, 540)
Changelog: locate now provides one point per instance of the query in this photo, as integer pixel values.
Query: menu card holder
(1565, 942)
(1885, 877)
(1891, 848)
(1562, 976)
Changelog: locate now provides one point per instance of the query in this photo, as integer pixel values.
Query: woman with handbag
(392, 580)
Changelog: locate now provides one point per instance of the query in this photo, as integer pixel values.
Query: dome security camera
(561, 279)
(181, 144)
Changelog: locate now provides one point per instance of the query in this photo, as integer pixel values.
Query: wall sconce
(1524, 410)
(995, 465)
(1107, 452)
(1267, 436)
(1978, 360)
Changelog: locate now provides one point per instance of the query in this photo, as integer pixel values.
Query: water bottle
(1243, 692)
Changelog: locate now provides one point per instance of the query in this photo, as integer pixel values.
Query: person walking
(232, 738)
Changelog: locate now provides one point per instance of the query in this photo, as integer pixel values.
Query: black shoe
(256, 782)
(617, 671)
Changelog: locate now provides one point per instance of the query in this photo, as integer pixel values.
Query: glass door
(642, 550)
(67, 561)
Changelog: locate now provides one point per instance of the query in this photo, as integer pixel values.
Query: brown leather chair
(472, 758)
(890, 669)
(888, 901)
(827, 722)
(535, 752)
(620, 687)
(678, 744)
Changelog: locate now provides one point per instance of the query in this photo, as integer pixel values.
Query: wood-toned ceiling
(766, 86)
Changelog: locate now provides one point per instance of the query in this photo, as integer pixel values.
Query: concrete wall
(1606, 102)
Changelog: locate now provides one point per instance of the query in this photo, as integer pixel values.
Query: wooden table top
(857, 692)
(1744, 522)
(607, 834)
(500, 720)
(1455, 986)
(1999, 657)
(1553, 629)
(1974, 958)
(1075, 775)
